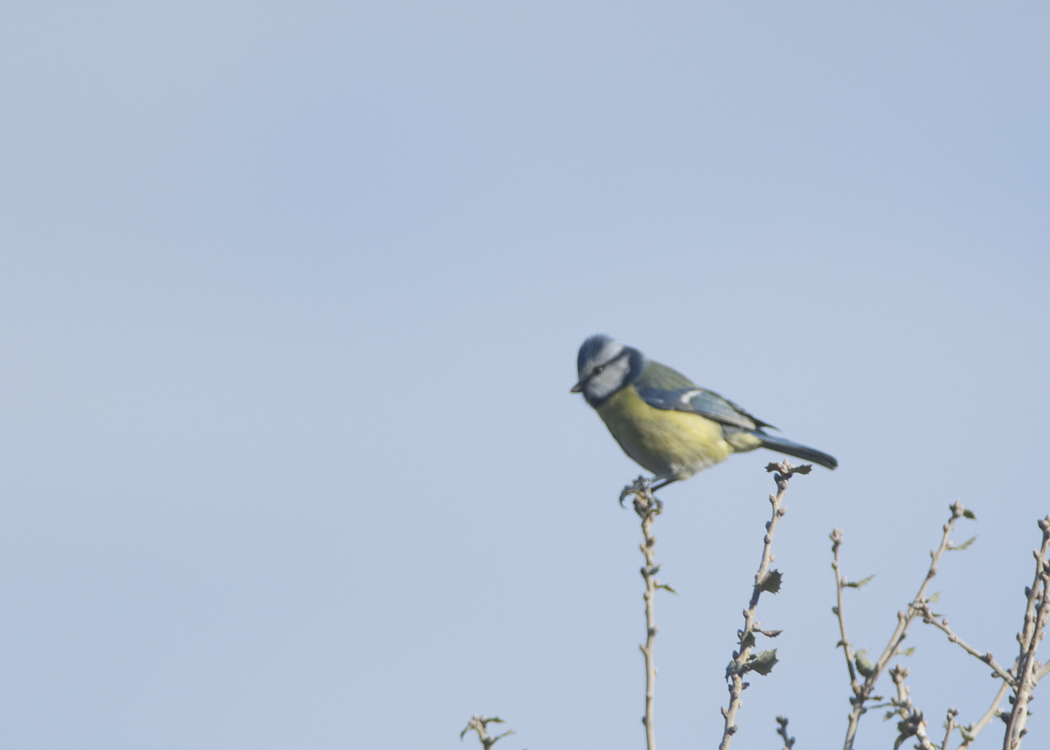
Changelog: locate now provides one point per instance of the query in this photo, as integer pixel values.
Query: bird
(665, 422)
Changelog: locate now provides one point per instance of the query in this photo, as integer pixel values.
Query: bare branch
(765, 580)
(949, 726)
(782, 730)
(480, 724)
(1037, 612)
(912, 723)
(840, 583)
(1043, 672)
(969, 733)
(648, 507)
(904, 620)
(942, 624)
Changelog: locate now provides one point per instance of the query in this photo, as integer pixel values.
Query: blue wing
(663, 388)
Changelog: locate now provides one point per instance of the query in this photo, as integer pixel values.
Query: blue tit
(665, 422)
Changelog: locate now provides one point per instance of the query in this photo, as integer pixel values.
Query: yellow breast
(671, 443)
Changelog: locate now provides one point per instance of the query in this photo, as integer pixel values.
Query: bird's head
(605, 366)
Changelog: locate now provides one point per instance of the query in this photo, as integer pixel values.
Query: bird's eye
(598, 369)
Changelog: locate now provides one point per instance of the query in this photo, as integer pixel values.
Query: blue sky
(291, 301)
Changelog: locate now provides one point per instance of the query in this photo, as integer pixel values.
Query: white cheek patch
(617, 370)
(610, 380)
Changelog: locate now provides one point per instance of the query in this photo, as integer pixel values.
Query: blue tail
(783, 445)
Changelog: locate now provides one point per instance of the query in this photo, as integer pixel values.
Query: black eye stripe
(598, 369)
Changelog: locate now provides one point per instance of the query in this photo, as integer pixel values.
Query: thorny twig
(480, 724)
(765, 580)
(863, 692)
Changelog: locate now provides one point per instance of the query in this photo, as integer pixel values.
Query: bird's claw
(644, 499)
(640, 485)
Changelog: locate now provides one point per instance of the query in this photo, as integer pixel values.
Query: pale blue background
(291, 297)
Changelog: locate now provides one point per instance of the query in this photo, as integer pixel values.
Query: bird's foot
(645, 502)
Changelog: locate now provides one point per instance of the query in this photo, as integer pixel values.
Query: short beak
(578, 388)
